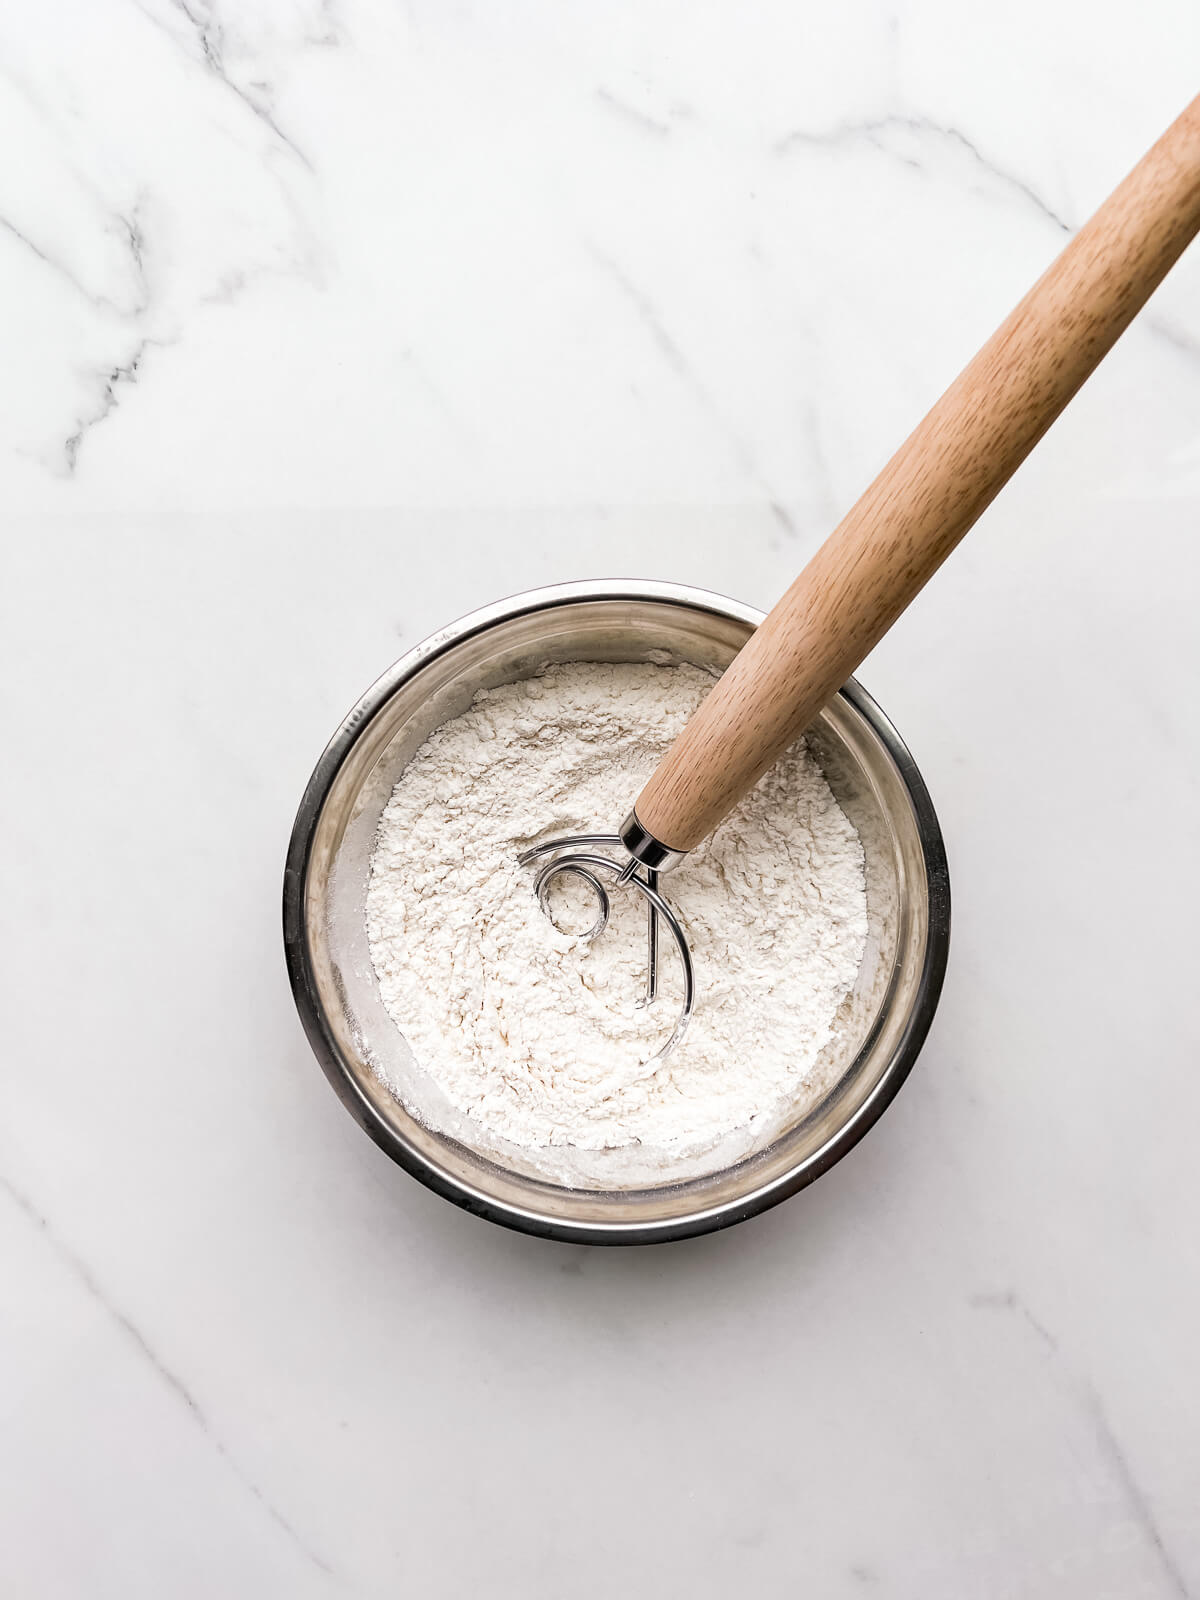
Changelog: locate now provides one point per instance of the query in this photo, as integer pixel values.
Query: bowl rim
(528, 1220)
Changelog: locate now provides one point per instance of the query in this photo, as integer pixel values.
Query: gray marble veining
(332, 319)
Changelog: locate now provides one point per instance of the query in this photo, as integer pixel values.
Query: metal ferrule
(644, 847)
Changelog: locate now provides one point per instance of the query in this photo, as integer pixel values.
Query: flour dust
(537, 1036)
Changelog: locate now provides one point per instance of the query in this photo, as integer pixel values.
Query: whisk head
(579, 856)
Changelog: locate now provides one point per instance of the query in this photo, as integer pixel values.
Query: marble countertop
(331, 319)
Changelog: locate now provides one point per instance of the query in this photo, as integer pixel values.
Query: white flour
(536, 1035)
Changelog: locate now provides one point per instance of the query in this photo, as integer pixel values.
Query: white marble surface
(328, 321)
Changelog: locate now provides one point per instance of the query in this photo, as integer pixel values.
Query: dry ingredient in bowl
(538, 1036)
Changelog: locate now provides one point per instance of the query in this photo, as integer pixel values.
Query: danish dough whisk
(891, 542)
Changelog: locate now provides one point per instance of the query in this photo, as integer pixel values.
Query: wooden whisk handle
(931, 491)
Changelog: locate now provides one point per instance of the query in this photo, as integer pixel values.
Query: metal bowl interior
(881, 1026)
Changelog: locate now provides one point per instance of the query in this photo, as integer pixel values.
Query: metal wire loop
(553, 870)
(576, 855)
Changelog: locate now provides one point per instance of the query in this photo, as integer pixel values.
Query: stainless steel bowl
(882, 1024)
